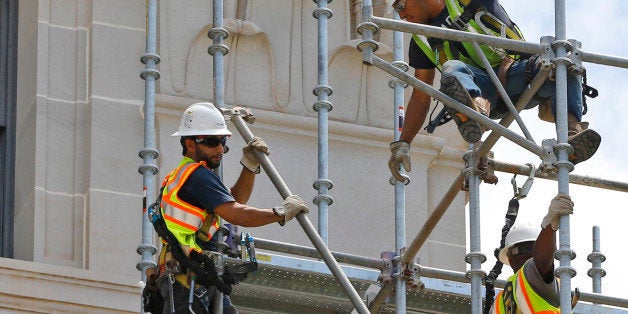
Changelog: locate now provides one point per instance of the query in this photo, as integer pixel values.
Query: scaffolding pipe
(218, 50)
(305, 251)
(323, 106)
(149, 153)
(502, 92)
(564, 254)
(456, 35)
(400, 187)
(604, 59)
(573, 178)
(454, 188)
(475, 257)
(303, 220)
(425, 271)
(596, 258)
(450, 102)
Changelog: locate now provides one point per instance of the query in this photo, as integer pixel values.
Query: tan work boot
(470, 130)
(584, 141)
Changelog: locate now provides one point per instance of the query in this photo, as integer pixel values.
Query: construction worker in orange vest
(530, 253)
(194, 200)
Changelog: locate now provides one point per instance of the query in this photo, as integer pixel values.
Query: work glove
(248, 157)
(399, 155)
(292, 206)
(560, 205)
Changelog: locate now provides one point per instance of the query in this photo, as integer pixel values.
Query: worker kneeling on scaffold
(189, 210)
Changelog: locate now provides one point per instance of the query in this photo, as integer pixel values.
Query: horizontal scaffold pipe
(573, 178)
(604, 59)
(313, 253)
(450, 34)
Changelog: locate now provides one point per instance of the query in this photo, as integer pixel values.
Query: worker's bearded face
(212, 156)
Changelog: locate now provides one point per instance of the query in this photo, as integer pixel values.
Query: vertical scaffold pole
(218, 50)
(564, 253)
(596, 258)
(323, 106)
(400, 190)
(149, 153)
(475, 257)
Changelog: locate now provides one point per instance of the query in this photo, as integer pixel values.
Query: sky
(601, 29)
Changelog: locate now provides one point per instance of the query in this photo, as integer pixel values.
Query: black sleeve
(417, 58)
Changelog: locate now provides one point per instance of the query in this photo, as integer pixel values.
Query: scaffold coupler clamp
(522, 192)
(388, 267)
(412, 275)
(246, 113)
(549, 159)
(484, 169)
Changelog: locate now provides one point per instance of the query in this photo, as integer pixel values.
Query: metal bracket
(549, 158)
(246, 113)
(412, 272)
(388, 268)
(522, 192)
(576, 59)
(546, 57)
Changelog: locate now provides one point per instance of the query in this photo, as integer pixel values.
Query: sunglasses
(521, 249)
(399, 5)
(212, 141)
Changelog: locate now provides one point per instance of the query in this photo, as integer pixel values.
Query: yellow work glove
(292, 206)
(248, 157)
(560, 205)
(399, 155)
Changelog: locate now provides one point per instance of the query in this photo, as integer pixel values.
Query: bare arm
(243, 187)
(544, 249)
(418, 106)
(246, 216)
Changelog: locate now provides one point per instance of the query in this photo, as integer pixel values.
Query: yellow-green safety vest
(525, 298)
(482, 23)
(184, 219)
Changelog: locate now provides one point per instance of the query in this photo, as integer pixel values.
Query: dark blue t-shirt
(417, 58)
(204, 189)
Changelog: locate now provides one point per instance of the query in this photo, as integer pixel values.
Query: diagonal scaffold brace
(239, 116)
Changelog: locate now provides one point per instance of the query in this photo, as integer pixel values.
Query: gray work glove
(292, 206)
(248, 157)
(560, 205)
(399, 155)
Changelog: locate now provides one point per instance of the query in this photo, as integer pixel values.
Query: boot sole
(470, 130)
(584, 144)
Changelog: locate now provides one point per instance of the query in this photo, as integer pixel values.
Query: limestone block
(115, 231)
(115, 68)
(122, 13)
(117, 133)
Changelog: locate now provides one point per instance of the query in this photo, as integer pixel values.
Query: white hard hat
(520, 233)
(202, 118)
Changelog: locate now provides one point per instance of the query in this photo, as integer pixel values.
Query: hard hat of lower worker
(202, 118)
(524, 232)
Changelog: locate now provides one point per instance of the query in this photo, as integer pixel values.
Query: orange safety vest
(526, 300)
(184, 219)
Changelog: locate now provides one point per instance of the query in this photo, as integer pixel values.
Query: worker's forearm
(243, 187)
(418, 106)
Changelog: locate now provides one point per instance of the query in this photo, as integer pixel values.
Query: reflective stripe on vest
(526, 299)
(183, 219)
